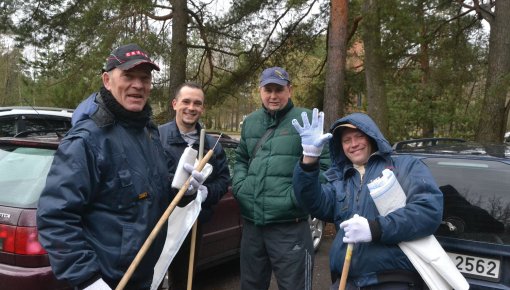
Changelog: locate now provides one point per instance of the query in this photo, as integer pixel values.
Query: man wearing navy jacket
(176, 135)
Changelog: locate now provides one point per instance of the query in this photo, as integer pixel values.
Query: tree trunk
(179, 53)
(493, 116)
(428, 98)
(335, 67)
(374, 66)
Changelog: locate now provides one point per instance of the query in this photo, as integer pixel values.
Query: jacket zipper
(359, 189)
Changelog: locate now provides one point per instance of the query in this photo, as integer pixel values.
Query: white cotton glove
(202, 193)
(356, 230)
(312, 137)
(197, 179)
(98, 285)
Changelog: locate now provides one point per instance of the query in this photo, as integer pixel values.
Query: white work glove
(312, 137)
(356, 230)
(202, 193)
(197, 179)
(100, 284)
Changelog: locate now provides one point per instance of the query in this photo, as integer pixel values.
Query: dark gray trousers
(285, 249)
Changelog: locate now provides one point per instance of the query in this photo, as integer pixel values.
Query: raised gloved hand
(197, 179)
(100, 284)
(356, 230)
(312, 137)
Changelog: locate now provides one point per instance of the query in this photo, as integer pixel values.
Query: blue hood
(364, 123)
(85, 109)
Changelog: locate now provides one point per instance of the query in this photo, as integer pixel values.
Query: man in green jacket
(276, 235)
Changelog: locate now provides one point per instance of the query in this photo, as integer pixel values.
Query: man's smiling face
(356, 146)
(188, 106)
(131, 88)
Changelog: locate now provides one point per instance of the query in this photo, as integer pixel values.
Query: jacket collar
(342, 172)
(174, 135)
(279, 114)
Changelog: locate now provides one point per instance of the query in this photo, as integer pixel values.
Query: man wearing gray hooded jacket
(359, 153)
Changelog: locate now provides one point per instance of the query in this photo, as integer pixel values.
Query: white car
(507, 137)
(24, 121)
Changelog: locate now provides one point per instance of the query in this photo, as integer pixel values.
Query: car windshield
(23, 174)
(476, 198)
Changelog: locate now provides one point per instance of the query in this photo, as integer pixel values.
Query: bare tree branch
(160, 17)
(483, 11)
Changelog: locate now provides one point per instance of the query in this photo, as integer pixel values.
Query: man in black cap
(276, 234)
(108, 184)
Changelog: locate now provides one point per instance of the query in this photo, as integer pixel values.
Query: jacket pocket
(127, 196)
(342, 202)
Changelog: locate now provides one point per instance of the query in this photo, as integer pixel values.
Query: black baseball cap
(128, 56)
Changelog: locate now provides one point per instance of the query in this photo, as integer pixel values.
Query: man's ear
(106, 80)
(174, 102)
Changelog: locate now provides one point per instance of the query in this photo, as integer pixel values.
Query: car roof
(453, 147)
(26, 110)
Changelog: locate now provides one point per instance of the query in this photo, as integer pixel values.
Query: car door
(221, 237)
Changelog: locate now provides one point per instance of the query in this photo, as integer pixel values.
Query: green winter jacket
(263, 183)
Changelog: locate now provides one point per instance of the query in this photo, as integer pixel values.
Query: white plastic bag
(426, 254)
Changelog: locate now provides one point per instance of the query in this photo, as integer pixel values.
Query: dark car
(221, 240)
(475, 181)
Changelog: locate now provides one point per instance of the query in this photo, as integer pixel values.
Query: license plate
(477, 267)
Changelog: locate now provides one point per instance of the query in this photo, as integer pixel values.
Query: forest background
(436, 68)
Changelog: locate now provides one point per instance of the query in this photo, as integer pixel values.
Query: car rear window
(37, 123)
(476, 198)
(23, 174)
(15, 124)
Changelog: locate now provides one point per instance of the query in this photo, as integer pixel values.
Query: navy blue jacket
(219, 180)
(105, 192)
(346, 194)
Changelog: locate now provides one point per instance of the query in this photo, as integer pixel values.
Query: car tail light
(7, 235)
(20, 240)
(27, 243)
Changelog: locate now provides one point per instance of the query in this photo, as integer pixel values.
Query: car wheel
(316, 228)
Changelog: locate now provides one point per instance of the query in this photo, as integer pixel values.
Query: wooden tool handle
(345, 269)
(148, 242)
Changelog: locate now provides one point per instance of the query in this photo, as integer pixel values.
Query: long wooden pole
(345, 269)
(195, 225)
(145, 247)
